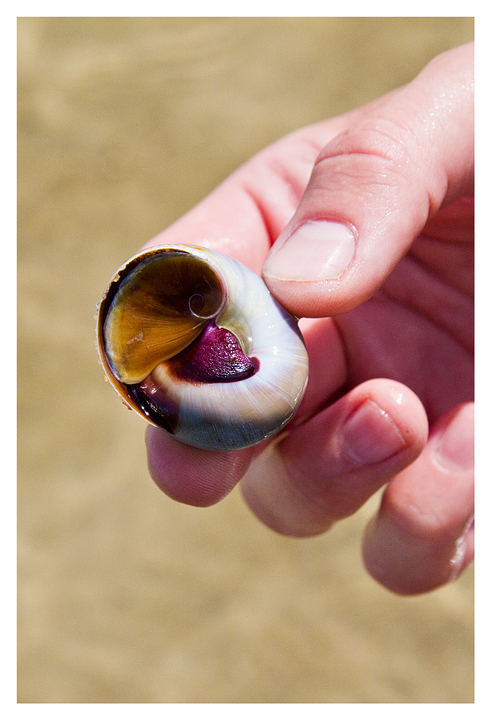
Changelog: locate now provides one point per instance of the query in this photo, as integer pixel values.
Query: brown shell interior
(160, 306)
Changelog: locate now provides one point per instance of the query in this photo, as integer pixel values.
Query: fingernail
(457, 560)
(317, 250)
(454, 448)
(371, 436)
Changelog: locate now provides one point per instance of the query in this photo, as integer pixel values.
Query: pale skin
(384, 287)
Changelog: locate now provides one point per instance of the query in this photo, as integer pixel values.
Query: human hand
(390, 256)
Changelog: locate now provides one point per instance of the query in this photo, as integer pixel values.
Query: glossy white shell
(227, 415)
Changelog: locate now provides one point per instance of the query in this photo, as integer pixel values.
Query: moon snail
(194, 342)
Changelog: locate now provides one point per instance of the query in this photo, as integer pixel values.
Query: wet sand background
(124, 595)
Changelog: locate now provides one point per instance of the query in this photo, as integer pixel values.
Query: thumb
(373, 188)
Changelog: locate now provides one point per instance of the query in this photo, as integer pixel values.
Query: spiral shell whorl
(155, 319)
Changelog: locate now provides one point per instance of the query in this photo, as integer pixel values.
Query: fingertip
(306, 269)
(367, 199)
(408, 563)
(402, 562)
(422, 537)
(356, 445)
(325, 468)
(401, 406)
(191, 475)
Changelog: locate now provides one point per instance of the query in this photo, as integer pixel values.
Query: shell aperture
(158, 310)
(195, 343)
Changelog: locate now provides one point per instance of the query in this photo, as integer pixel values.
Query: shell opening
(160, 307)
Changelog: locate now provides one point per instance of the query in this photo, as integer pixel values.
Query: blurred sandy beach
(124, 595)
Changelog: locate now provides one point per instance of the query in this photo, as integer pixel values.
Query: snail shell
(195, 343)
